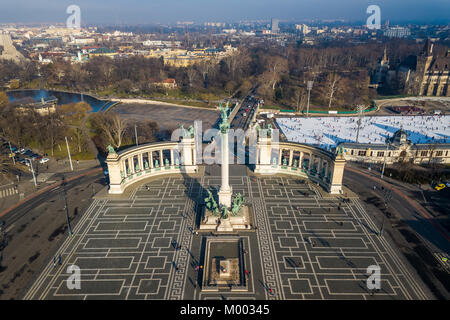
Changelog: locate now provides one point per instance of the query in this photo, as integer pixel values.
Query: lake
(63, 98)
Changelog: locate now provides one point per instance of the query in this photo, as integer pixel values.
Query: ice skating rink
(327, 132)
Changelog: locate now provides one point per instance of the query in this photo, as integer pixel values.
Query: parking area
(168, 117)
(22, 155)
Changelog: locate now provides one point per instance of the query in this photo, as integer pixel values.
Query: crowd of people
(327, 132)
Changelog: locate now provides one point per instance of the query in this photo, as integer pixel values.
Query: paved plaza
(306, 245)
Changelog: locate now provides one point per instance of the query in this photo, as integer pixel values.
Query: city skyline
(156, 12)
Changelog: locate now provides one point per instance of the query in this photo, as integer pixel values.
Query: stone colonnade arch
(316, 164)
(138, 163)
(135, 164)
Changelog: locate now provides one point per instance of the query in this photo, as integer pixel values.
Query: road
(424, 225)
(245, 113)
(17, 213)
(417, 233)
(35, 228)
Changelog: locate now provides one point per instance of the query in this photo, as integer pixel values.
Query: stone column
(225, 189)
(194, 154)
(257, 162)
(264, 161)
(131, 160)
(161, 160)
(337, 175)
(141, 161)
(115, 180)
(187, 151)
(300, 160)
(150, 159)
(124, 167)
(319, 166)
(291, 156)
(172, 160)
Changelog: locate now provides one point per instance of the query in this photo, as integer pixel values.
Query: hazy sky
(162, 11)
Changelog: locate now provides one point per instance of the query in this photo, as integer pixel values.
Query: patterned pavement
(305, 246)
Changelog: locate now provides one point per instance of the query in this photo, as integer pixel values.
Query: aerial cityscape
(207, 152)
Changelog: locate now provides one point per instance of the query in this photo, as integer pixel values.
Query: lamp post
(32, 171)
(384, 162)
(135, 133)
(68, 152)
(66, 207)
(309, 86)
(12, 155)
(360, 114)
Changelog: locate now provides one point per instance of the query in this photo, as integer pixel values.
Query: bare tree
(276, 66)
(298, 98)
(333, 86)
(78, 133)
(206, 68)
(192, 76)
(113, 126)
(236, 62)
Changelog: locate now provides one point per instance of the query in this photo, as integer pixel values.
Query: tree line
(27, 126)
(341, 74)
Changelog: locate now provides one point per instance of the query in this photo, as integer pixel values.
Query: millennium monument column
(225, 191)
(230, 213)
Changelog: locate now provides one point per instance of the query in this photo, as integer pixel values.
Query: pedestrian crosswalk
(8, 192)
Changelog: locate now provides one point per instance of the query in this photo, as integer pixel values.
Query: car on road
(25, 162)
(440, 187)
(34, 156)
(44, 160)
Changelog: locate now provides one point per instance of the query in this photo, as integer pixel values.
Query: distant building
(168, 83)
(399, 149)
(89, 49)
(44, 107)
(435, 79)
(397, 32)
(215, 24)
(161, 43)
(303, 28)
(182, 61)
(274, 26)
(9, 52)
(103, 52)
(426, 74)
(229, 31)
(379, 78)
(83, 41)
(185, 23)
